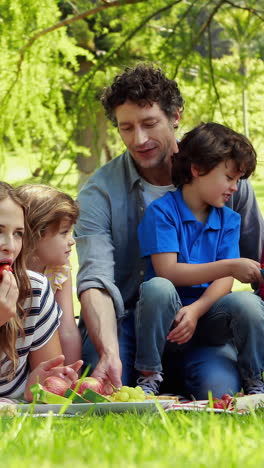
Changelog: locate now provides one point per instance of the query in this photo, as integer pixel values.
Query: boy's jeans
(237, 317)
(203, 364)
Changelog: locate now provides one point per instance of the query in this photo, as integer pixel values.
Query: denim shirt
(111, 207)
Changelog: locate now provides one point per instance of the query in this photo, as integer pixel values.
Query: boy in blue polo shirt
(191, 243)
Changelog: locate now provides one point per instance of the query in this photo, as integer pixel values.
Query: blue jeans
(210, 361)
(237, 318)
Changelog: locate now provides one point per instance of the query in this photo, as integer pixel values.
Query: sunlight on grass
(132, 440)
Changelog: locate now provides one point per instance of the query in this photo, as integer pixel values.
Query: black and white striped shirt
(42, 319)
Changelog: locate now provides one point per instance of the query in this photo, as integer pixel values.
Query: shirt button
(141, 272)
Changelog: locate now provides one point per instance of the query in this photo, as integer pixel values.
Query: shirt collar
(132, 173)
(213, 220)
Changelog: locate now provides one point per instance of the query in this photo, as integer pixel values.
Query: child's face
(55, 247)
(11, 230)
(216, 187)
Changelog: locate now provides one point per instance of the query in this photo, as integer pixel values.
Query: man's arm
(252, 224)
(100, 319)
(101, 300)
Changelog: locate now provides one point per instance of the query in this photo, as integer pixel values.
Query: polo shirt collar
(213, 220)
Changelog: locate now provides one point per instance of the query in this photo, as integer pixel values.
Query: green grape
(125, 388)
(128, 394)
(139, 389)
(123, 396)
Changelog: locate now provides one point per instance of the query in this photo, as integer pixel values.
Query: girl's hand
(52, 367)
(186, 321)
(8, 297)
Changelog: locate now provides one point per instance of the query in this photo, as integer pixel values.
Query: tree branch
(199, 34)
(60, 24)
(211, 68)
(112, 52)
(254, 11)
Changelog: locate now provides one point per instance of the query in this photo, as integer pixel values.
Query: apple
(5, 266)
(87, 382)
(55, 385)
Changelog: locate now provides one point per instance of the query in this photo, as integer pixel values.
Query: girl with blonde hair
(50, 214)
(30, 347)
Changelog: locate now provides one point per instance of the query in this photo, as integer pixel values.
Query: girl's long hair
(45, 207)
(10, 331)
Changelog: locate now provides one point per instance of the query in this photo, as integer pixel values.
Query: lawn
(146, 440)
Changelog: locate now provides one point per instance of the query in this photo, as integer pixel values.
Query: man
(146, 108)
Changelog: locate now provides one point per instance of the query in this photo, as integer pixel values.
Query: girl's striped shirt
(42, 319)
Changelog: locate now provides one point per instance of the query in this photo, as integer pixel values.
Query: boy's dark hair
(206, 146)
(142, 85)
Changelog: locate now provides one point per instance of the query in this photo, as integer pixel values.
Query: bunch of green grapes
(125, 394)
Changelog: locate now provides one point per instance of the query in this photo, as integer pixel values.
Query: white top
(152, 192)
(43, 318)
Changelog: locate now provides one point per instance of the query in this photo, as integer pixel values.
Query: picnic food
(249, 402)
(5, 266)
(88, 382)
(239, 401)
(43, 396)
(55, 385)
(126, 393)
(120, 395)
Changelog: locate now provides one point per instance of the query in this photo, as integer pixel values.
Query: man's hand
(186, 321)
(52, 367)
(108, 371)
(8, 297)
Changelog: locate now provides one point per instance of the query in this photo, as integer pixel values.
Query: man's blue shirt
(111, 207)
(169, 226)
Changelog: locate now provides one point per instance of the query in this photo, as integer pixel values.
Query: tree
(58, 55)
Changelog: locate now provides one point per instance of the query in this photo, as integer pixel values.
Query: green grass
(146, 440)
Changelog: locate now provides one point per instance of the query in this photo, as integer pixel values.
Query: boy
(191, 239)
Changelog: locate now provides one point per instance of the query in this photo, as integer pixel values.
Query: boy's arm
(187, 274)
(187, 317)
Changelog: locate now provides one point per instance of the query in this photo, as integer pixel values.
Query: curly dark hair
(206, 146)
(143, 84)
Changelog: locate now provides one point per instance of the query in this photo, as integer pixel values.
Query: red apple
(55, 385)
(88, 382)
(5, 266)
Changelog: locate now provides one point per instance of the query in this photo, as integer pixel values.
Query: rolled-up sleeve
(94, 243)
(252, 223)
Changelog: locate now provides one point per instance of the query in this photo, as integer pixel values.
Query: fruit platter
(86, 396)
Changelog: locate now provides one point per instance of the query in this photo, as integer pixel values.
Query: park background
(56, 57)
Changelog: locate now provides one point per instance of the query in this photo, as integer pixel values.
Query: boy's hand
(186, 321)
(246, 270)
(52, 367)
(8, 297)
